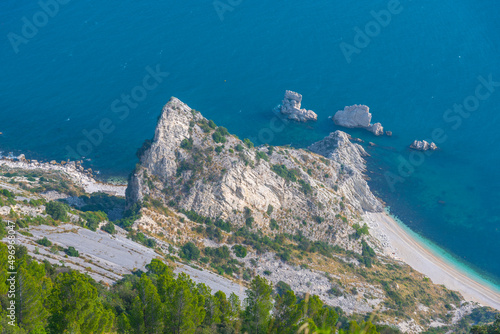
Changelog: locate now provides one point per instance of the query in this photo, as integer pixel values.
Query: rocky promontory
(291, 108)
(358, 116)
(422, 145)
(195, 165)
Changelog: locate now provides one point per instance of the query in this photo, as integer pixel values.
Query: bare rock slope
(195, 165)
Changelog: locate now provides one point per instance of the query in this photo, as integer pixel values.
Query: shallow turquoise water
(65, 78)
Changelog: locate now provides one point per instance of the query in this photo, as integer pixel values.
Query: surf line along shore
(418, 256)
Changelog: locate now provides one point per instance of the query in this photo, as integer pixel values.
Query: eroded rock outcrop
(422, 145)
(291, 107)
(198, 166)
(357, 116)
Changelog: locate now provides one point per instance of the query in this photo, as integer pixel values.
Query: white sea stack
(291, 107)
(422, 145)
(357, 116)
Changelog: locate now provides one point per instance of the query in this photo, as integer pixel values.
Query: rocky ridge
(185, 164)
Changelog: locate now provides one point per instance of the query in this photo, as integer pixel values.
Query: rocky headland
(190, 164)
(358, 116)
(291, 107)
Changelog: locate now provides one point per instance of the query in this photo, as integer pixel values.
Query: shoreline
(401, 245)
(73, 170)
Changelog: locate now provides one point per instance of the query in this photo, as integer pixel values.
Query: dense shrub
(248, 143)
(71, 251)
(44, 242)
(189, 251)
(287, 174)
(187, 144)
(57, 210)
(219, 135)
(261, 155)
(109, 227)
(240, 251)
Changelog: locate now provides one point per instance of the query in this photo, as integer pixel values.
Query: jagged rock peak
(291, 107)
(357, 116)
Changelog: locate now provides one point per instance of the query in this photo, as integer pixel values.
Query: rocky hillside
(195, 165)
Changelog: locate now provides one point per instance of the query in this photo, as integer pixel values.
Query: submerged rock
(291, 107)
(422, 145)
(358, 116)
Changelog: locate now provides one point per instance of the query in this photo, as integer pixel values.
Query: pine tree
(75, 306)
(259, 304)
(184, 306)
(151, 306)
(286, 313)
(30, 296)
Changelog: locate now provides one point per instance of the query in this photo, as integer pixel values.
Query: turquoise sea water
(62, 78)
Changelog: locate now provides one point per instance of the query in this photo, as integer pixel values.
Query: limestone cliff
(195, 165)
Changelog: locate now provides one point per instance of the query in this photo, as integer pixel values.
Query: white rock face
(376, 129)
(357, 116)
(223, 184)
(338, 147)
(422, 145)
(291, 107)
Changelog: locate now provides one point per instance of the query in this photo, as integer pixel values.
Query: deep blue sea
(86, 68)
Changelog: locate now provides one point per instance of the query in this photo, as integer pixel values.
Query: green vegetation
(249, 222)
(219, 135)
(273, 225)
(219, 149)
(109, 227)
(248, 143)
(212, 124)
(44, 242)
(368, 254)
(239, 148)
(240, 251)
(189, 252)
(270, 209)
(71, 251)
(157, 301)
(142, 239)
(57, 210)
(494, 328)
(93, 219)
(318, 219)
(305, 187)
(287, 174)
(360, 231)
(145, 146)
(270, 150)
(187, 144)
(261, 155)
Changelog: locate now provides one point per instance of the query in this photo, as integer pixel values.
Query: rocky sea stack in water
(291, 108)
(358, 116)
(422, 145)
(194, 165)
